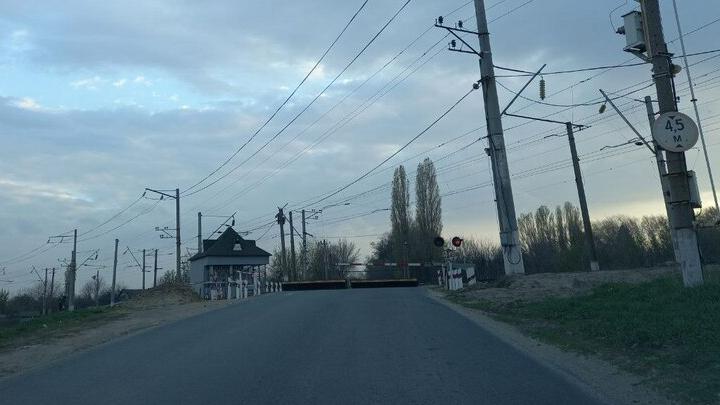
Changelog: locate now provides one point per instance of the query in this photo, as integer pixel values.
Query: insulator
(460, 24)
(453, 44)
(542, 89)
(603, 107)
(440, 20)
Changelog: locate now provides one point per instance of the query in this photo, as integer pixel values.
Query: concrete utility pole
(281, 221)
(509, 235)
(694, 100)
(325, 258)
(587, 225)
(293, 267)
(304, 245)
(52, 288)
(199, 232)
(112, 288)
(143, 270)
(177, 235)
(155, 269)
(677, 177)
(44, 307)
(660, 160)
(178, 242)
(71, 275)
(97, 288)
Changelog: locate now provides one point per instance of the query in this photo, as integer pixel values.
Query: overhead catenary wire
(282, 105)
(302, 111)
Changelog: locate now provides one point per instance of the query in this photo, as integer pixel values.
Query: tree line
(553, 240)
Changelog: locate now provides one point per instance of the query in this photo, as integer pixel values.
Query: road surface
(362, 346)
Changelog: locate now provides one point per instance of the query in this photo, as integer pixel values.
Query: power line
(277, 110)
(352, 61)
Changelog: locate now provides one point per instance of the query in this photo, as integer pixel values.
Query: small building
(217, 271)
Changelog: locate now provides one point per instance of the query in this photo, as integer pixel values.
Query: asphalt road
(362, 346)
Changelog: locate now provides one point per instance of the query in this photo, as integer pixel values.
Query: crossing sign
(675, 132)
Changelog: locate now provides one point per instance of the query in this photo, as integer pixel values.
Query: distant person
(61, 303)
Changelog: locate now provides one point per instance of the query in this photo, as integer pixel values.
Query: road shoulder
(598, 378)
(38, 353)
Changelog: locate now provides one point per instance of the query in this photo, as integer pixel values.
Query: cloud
(91, 83)
(22, 190)
(142, 81)
(119, 82)
(27, 103)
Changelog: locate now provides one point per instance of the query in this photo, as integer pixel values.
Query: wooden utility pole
(112, 288)
(293, 267)
(155, 269)
(509, 235)
(587, 225)
(688, 254)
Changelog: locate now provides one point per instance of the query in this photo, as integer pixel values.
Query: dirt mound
(535, 287)
(162, 296)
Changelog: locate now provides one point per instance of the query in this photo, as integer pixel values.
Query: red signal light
(456, 241)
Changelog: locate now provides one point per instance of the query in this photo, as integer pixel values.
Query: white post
(280, 286)
(471, 275)
(228, 288)
(256, 284)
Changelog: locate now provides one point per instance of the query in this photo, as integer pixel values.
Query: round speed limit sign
(675, 132)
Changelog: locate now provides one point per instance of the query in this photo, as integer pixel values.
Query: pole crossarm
(644, 141)
(504, 112)
(159, 192)
(579, 126)
(452, 30)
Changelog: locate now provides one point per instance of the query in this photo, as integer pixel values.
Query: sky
(99, 100)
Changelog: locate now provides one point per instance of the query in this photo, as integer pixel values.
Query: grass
(659, 330)
(56, 324)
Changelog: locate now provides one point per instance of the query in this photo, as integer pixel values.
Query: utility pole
(71, 275)
(509, 235)
(660, 160)
(199, 232)
(677, 177)
(304, 245)
(112, 288)
(44, 307)
(178, 242)
(143, 271)
(325, 258)
(155, 269)
(177, 235)
(589, 239)
(281, 221)
(97, 288)
(52, 288)
(293, 267)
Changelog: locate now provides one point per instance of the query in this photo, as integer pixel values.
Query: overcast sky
(99, 100)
